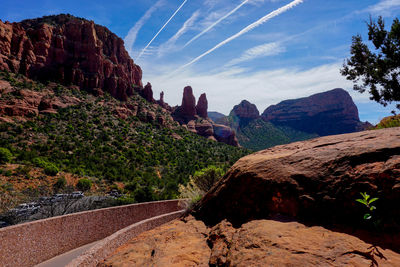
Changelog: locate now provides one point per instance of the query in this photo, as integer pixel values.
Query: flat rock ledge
(188, 242)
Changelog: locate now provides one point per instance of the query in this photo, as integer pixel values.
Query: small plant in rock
(366, 200)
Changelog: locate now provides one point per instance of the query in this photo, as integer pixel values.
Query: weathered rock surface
(257, 243)
(225, 134)
(173, 244)
(315, 181)
(245, 112)
(202, 106)
(69, 50)
(195, 119)
(331, 112)
(28, 103)
(188, 107)
(147, 93)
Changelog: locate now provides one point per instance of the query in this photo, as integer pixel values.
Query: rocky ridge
(69, 50)
(327, 113)
(195, 119)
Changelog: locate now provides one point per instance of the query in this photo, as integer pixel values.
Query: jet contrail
(215, 23)
(245, 30)
(170, 43)
(162, 28)
(130, 38)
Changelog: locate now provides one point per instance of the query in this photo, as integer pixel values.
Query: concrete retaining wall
(34, 242)
(106, 247)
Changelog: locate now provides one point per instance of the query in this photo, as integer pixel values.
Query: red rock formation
(245, 111)
(202, 106)
(225, 134)
(148, 93)
(189, 242)
(195, 119)
(69, 50)
(316, 180)
(327, 113)
(30, 103)
(188, 107)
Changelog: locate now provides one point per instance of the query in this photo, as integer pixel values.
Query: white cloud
(384, 7)
(264, 50)
(130, 38)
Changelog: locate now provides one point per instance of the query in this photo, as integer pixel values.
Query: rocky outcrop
(147, 93)
(225, 134)
(316, 181)
(69, 50)
(195, 119)
(188, 107)
(174, 244)
(331, 112)
(245, 112)
(257, 243)
(28, 103)
(202, 106)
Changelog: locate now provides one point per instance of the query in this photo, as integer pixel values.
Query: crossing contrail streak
(162, 28)
(245, 30)
(215, 23)
(133, 32)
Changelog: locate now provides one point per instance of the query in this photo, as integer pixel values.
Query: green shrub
(84, 184)
(206, 178)
(50, 169)
(5, 155)
(60, 184)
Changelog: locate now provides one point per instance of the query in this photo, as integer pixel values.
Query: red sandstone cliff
(69, 50)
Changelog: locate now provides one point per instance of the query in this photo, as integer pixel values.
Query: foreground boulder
(257, 243)
(316, 181)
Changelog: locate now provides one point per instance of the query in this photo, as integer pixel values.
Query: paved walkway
(67, 257)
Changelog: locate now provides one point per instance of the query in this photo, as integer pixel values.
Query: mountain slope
(134, 142)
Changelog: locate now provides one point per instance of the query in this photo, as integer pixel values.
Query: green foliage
(84, 184)
(366, 200)
(5, 155)
(51, 169)
(260, 134)
(376, 71)
(60, 184)
(206, 178)
(389, 122)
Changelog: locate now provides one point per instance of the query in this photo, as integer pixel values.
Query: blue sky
(295, 53)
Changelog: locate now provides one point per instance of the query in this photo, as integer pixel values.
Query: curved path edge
(105, 247)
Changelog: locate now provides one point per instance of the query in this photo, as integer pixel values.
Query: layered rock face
(69, 50)
(316, 181)
(331, 112)
(195, 119)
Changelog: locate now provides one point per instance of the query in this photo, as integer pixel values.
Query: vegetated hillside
(254, 133)
(133, 142)
(389, 122)
(260, 134)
